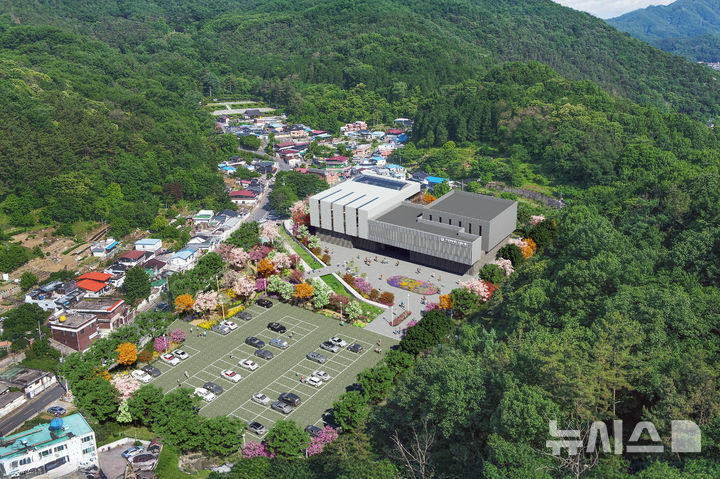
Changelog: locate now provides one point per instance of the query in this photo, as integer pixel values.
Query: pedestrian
(302, 378)
(187, 376)
(231, 356)
(179, 383)
(379, 339)
(205, 334)
(191, 329)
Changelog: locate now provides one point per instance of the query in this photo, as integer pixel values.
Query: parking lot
(210, 355)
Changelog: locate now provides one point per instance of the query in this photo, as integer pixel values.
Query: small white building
(203, 216)
(9, 400)
(183, 259)
(49, 450)
(102, 249)
(148, 244)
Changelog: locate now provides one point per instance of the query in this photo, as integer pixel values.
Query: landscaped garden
(413, 285)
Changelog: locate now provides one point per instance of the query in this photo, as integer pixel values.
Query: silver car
(317, 357)
(328, 346)
(261, 398)
(281, 406)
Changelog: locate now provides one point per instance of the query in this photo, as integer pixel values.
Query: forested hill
(683, 18)
(690, 28)
(387, 45)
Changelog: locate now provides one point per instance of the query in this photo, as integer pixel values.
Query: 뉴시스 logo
(685, 438)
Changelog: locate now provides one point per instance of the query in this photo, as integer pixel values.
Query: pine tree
(137, 284)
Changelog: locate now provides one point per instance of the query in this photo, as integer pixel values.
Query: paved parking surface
(211, 354)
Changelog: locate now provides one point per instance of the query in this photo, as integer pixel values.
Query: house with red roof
(243, 197)
(133, 257)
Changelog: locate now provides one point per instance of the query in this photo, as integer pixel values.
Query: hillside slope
(689, 28)
(381, 42)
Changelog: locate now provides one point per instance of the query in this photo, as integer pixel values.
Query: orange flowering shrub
(445, 301)
(529, 248)
(184, 303)
(303, 291)
(265, 268)
(127, 353)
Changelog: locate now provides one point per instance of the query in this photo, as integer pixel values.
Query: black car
(277, 327)
(355, 348)
(265, 303)
(162, 308)
(151, 370)
(57, 410)
(290, 398)
(264, 353)
(244, 315)
(314, 431)
(255, 342)
(213, 388)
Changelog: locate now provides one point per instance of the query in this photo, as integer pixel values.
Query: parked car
(181, 354)
(204, 394)
(151, 370)
(261, 398)
(277, 327)
(328, 346)
(317, 357)
(314, 431)
(170, 358)
(230, 324)
(141, 376)
(338, 341)
(255, 342)
(314, 381)
(213, 388)
(355, 348)
(290, 398)
(130, 452)
(281, 406)
(162, 308)
(244, 315)
(265, 303)
(221, 329)
(264, 353)
(57, 410)
(279, 343)
(321, 374)
(257, 428)
(248, 364)
(230, 375)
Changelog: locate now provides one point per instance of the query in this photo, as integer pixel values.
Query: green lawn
(211, 354)
(368, 309)
(314, 264)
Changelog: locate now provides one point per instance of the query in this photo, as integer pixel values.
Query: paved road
(28, 410)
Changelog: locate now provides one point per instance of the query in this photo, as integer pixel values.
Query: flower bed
(413, 285)
(399, 319)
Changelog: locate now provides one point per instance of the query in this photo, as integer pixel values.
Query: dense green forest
(690, 28)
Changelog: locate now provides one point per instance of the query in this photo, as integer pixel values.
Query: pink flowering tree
(296, 277)
(260, 284)
(244, 286)
(317, 444)
(282, 261)
(161, 343)
(256, 449)
(520, 243)
(430, 306)
(224, 250)
(126, 386)
(479, 287)
(295, 259)
(299, 208)
(505, 265)
(206, 301)
(258, 253)
(237, 258)
(536, 219)
(362, 285)
(270, 232)
(177, 335)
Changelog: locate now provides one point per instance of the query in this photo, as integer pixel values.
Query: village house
(75, 330)
(243, 197)
(102, 249)
(183, 259)
(31, 381)
(9, 400)
(149, 244)
(111, 313)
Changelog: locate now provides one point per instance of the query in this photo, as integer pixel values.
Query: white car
(170, 358)
(338, 342)
(141, 376)
(260, 398)
(314, 381)
(230, 324)
(248, 364)
(204, 394)
(181, 354)
(230, 375)
(321, 374)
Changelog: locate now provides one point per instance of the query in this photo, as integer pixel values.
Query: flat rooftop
(73, 320)
(98, 304)
(472, 205)
(20, 376)
(41, 436)
(406, 215)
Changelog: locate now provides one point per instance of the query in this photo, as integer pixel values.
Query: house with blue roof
(53, 449)
(184, 259)
(148, 244)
